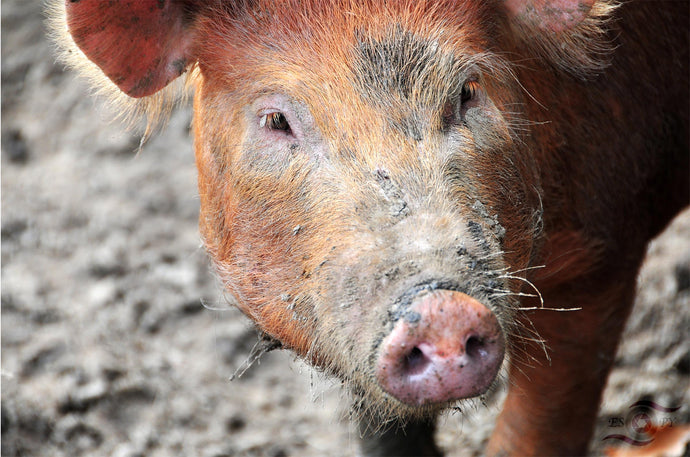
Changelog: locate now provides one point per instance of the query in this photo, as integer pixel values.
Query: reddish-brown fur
(583, 158)
(223, 80)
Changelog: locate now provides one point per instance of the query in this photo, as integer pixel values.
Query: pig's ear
(570, 34)
(140, 45)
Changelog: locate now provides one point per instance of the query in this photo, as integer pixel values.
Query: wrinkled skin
(378, 177)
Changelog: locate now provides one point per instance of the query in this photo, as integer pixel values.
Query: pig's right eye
(454, 111)
(275, 121)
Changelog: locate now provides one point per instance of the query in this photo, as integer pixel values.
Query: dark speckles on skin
(478, 234)
(412, 317)
(475, 229)
(179, 65)
(400, 308)
(491, 221)
(144, 83)
(392, 193)
(380, 63)
(392, 274)
(493, 284)
(404, 74)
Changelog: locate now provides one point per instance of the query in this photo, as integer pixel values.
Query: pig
(424, 199)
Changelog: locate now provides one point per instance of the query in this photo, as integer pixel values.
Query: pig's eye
(454, 110)
(469, 91)
(469, 98)
(275, 121)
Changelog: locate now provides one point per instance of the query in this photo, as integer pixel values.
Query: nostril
(444, 347)
(475, 347)
(415, 361)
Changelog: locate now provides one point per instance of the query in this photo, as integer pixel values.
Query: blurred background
(107, 348)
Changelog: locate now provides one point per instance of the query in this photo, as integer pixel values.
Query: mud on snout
(424, 313)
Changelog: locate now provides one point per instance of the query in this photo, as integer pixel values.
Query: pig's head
(367, 189)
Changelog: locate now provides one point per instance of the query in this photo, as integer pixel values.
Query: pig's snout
(447, 346)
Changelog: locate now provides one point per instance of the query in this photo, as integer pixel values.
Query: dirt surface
(116, 339)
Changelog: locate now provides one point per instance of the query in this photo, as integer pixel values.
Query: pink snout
(446, 347)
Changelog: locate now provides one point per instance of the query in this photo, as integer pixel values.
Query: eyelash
(469, 91)
(275, 121)
(453, 112)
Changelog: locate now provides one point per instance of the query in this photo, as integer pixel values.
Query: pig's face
(366, 195)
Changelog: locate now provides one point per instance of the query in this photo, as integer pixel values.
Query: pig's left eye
(455, 110)
(469, 92)
(275, 121)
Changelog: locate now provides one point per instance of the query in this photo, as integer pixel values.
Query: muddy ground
(116, 339)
